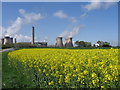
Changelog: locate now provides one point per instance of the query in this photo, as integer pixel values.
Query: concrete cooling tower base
(68, 42)
(59, 42)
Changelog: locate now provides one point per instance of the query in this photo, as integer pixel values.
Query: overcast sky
(87, 21)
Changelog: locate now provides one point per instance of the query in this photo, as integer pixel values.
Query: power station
(6, 40)
(68, 42)
(59, 41)
(32, 35)
(39, 44)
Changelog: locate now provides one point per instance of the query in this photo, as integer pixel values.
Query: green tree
(103, 44)
(83, 44)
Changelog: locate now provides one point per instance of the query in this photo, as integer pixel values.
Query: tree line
(88, 44)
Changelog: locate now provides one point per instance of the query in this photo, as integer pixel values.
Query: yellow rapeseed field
(74, 68)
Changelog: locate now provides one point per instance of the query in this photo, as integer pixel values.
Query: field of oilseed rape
(68, 68)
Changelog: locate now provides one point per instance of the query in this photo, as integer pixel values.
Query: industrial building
(68, 42)
(59, 41)
(9, 40)
(40, 44)
(6, 40)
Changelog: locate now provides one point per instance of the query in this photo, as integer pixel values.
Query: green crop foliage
(67, 68)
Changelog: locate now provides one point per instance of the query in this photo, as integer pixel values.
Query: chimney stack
(68, 42)
(59, 42)
(32, 35)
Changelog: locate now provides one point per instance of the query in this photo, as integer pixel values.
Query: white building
(97, 45)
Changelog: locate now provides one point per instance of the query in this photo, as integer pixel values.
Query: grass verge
(0, 70)
(11, 78)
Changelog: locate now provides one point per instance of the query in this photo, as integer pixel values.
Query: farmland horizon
(80, 20)
(59, 44)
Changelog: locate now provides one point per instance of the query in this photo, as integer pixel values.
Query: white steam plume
(15, 27)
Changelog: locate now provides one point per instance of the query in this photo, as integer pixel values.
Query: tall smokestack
(68, 42)
(32, 35)
(59, 42)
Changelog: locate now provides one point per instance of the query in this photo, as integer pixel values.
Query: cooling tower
(15, 40)
(2, 41)
(11, 40)
(59, 42)
(68, 42)
(32, 35)
(7, 40)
